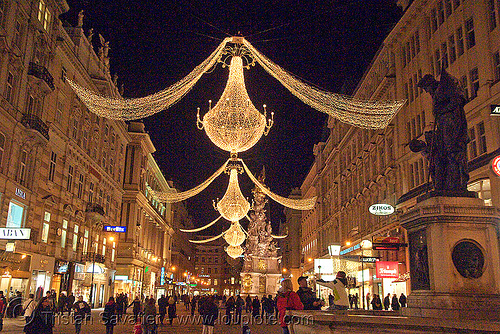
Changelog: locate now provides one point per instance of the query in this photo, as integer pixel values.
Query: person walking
(209, 313)
(172, 309)
(368, 301)
(307, 296)
(287, 300)
(3, 307)
(119, 306)
(136, 309)
(402, 300)
(248, 301)
(42, 319)
(194, 301)
(29, 306)
(109, 315)
(81, 310)
(356, 301)
(162, 308)
(376, 302)
(70, 302)
(149, 322)
(255, 307)
(395, 303)
(61, 303)
(230, 304)
(387, 302)
(238, 309)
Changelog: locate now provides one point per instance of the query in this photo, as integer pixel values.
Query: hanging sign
(381, 209)
(12, 233)
(495, 110)
(495, 164)
(387, 269)
(118, 229)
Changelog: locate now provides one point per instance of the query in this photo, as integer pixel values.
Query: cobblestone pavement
(183, 324)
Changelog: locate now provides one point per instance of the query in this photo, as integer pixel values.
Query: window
(469, 29)
(412, 180)
(103, 246)
(463, 82)
(91, 192)
(481, 134)
(447, 7)
(444, 55)
(2, 148)
(492, 14)
(410, 89)
(69, 185)
(45, 227)
(16, 40)
(460, 42)
(80, 186)
(113, 250)
(483, 189)
(75, 238)
(9, 88)
(59, 109)
(85, 139)
(64, 232)
(417, 42)
(440, 13)
(434, 23)
(496, 64)
(403, 52)
(63, 74)
(438, 64)
(474, 82)
(74, 128)
(215, 280)
(453, 51)
(472, 144)
(15, 216)
(52, 166)
(96, 241)
(44, 15)
(23, 167)
(85, 241)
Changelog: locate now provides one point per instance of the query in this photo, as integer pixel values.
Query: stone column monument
(453, 236)
(261, 273)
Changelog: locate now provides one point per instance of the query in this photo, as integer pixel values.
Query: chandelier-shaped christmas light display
(233, 206)
(234, 124)
(234, 251)
(235, 235)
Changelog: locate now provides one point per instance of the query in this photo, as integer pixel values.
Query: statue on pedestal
(445, 147)
(81, 15)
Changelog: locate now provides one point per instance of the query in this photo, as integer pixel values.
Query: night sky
(156, 43)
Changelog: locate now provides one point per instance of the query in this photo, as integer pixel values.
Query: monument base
(454, 258)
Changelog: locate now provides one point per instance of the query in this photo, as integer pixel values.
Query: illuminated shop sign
(387, 269)
(118, 229)
(12, 233)
(381, 209)
(495, 110)
(495, 164)
(20, 193)
(350, 249)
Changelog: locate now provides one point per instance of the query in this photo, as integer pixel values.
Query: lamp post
(365, 244)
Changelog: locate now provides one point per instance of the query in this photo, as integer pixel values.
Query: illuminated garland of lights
(203, 227)
(234, 251)
(233, 206)
(178, 197)
(297, 204)
(207, 240)
(234, 124)
(360, 113)
(235, 235)
(130, 109)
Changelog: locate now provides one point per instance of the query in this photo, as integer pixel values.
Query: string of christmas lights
(297, 204)
(130, 109)
(201, 228)
(207, 240)
(179, 197)
(360, 113)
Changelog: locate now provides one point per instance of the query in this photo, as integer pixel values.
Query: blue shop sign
(118, 229)
(350, 249)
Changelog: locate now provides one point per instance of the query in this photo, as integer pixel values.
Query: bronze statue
(445, 147)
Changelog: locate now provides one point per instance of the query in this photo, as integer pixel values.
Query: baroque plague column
(260, 275)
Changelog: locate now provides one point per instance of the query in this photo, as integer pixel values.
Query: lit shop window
(45, 227)
(15, 216)
(483, 189)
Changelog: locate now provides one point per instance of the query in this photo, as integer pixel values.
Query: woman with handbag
(287, 300)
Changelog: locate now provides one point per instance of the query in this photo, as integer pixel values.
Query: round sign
(381, 209)
(495, 164)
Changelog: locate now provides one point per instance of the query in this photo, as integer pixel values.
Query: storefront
(97, 279)
(41, 274)
(14, 272)
(61, 281)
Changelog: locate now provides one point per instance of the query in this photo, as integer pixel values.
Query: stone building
(61, 167)
(145, 249)
(355, 168)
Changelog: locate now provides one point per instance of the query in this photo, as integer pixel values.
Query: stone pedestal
(454, 258)
(260, 276)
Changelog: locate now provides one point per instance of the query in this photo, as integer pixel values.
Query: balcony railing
(34, 122)
(93, 257)
(41, 73)
(94, 208)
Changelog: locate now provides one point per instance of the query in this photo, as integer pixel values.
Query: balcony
(41, 72)
(34, 122)
(93, 257)
(94, 214)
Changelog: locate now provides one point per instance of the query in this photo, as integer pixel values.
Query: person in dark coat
(42, 319)
(149, 322)
(376, 302)
(395, 302)
(82, 309)
(172, 309)
(256, 307)
(119, 306)
(402, 300)
(238, 309)
(162, 307)
(109, 316)
(307, 296)
(387, 302)
(194, 301)
(70, 302)
(136, 303)
(230, 304)
(209, 313)
(248, 302)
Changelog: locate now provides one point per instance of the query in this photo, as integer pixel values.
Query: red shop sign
(387, 269)
(495, 164)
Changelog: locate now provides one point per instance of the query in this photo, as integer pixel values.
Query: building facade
(62, 168)
(355, 168)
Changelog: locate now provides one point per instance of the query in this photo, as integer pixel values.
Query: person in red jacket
(287, 300)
